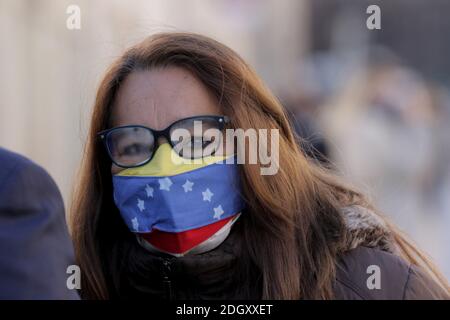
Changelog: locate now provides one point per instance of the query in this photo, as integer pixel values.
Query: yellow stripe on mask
(167, 162)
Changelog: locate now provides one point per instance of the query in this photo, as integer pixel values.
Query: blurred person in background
(303, 112)
(298, 234)
(437, 194)
(385, 127)
(35, 248)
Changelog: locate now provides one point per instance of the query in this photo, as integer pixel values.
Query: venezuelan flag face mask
(177, 207)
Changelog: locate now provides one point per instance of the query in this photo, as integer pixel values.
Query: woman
(297, 234)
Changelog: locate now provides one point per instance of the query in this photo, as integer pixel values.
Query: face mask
(175, 206)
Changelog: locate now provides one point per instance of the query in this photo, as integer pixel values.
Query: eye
(199, 143)
(133, 149)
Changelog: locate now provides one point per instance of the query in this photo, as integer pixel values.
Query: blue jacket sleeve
(35, 247)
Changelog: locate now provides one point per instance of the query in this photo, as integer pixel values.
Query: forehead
(157, 97)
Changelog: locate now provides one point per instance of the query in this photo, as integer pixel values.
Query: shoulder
(10, 162)
(370, 273)
(26, 185)
(17, 170)
(34, 242)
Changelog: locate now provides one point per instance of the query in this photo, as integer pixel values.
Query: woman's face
(156, 98)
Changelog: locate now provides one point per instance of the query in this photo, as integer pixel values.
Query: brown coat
(210, 275)
(398, 279)
(370, 243)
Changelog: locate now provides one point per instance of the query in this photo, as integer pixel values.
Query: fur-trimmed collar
(366, 228)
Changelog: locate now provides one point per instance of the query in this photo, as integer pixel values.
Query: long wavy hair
(293, 230)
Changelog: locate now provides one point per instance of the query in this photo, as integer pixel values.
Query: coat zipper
(167, 283)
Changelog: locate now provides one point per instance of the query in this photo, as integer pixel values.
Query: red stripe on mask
(180, 242)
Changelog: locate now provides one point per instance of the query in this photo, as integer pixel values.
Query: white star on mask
(218, 211)
(140, 205)
(149, 191)
(164, 184)
(135, 223)
(207, 194)
(187, 186)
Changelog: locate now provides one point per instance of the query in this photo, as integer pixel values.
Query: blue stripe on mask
(181, 202)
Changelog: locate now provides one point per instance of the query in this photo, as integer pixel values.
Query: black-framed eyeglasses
(193, 137)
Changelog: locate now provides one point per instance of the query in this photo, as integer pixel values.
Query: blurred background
(373, 103)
